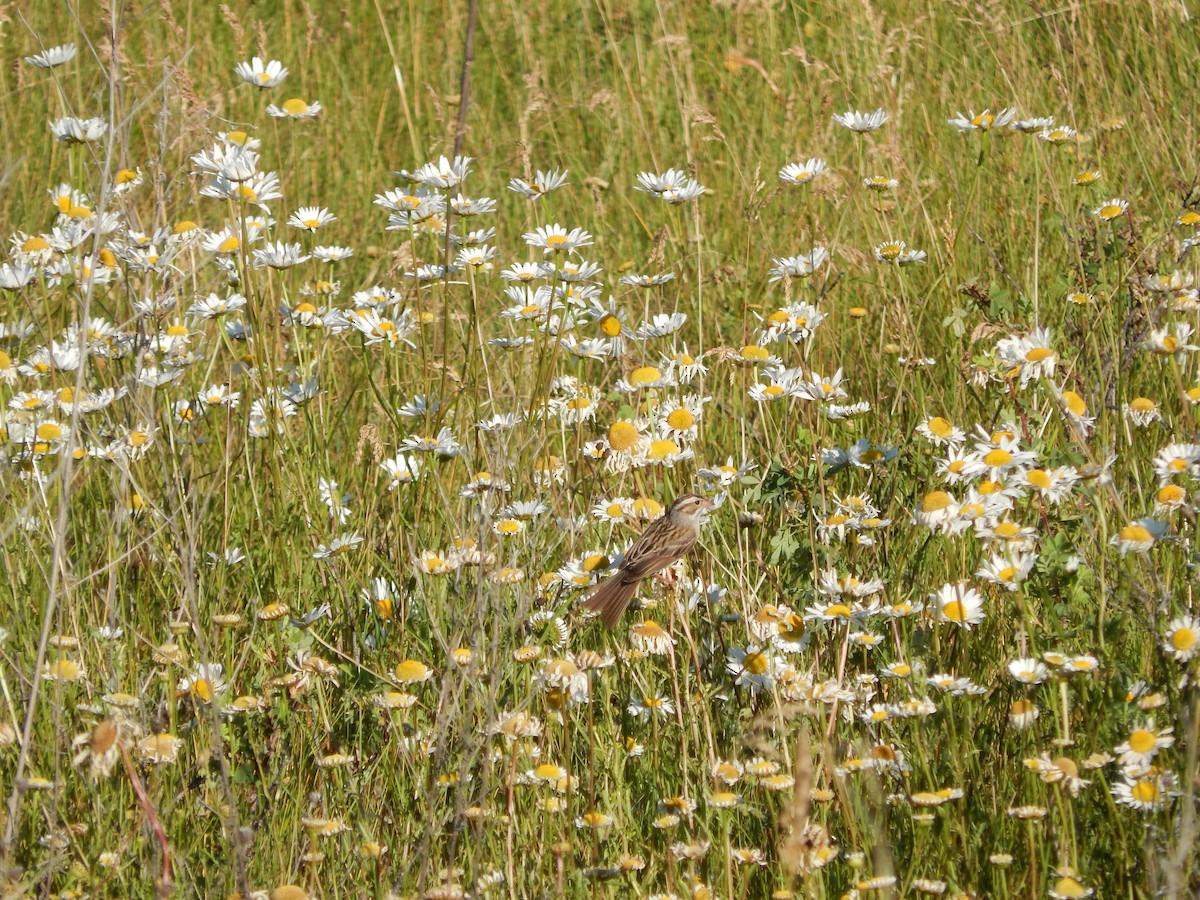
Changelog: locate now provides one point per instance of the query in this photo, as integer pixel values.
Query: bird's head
(691, 505)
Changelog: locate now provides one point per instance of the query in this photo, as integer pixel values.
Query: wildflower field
(345, 347)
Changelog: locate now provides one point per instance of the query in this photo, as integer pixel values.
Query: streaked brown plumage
(665, 540)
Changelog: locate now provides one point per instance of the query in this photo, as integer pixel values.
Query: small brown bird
(665, 540)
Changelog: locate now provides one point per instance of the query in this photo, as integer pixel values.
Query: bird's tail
(611, 599)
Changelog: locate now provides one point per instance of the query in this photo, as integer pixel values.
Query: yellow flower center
(202, 688)
(681, 419)
(644, 375)
(647, 507)
(384, 608)
(594, 562)
(35, 244)
(1069, 887)
(663, 448)
(939, 427)
(856, 312)
(622, 436)
(1037, 354)
(935, 501)
(65, 670)
(411, 670)
(610, 325)
(754, 353)
(1110, 210)
(1007, 530)
(997, 457)
(838, 611)
(125, 176)
(1142, 741)
(1144, 792)
(755, 663)
(295, 107)
(1136, 534)
(184, 227)
(1170, 495)
(1142, 404)
(1183, 638)
(983, 120)
(954, 611)
(1039, 478)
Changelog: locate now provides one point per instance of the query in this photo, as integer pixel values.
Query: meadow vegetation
(328, 391)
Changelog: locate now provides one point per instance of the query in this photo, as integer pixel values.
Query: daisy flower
(983, 121)
(542, 184)
(1139, 536)
(556, 239)
(53, 56)
(1143, 744)
(802, 173)
(310, 218)
(1145, 793)
(1111, 209)
(959, 604)
(295, 108)
(1182, 638)
(1029, 670)
(861, 122)
(261, 75)
(800, 266)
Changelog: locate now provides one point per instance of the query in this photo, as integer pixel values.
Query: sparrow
(667, 539)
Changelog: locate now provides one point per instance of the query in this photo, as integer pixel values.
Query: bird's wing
(656, 549)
